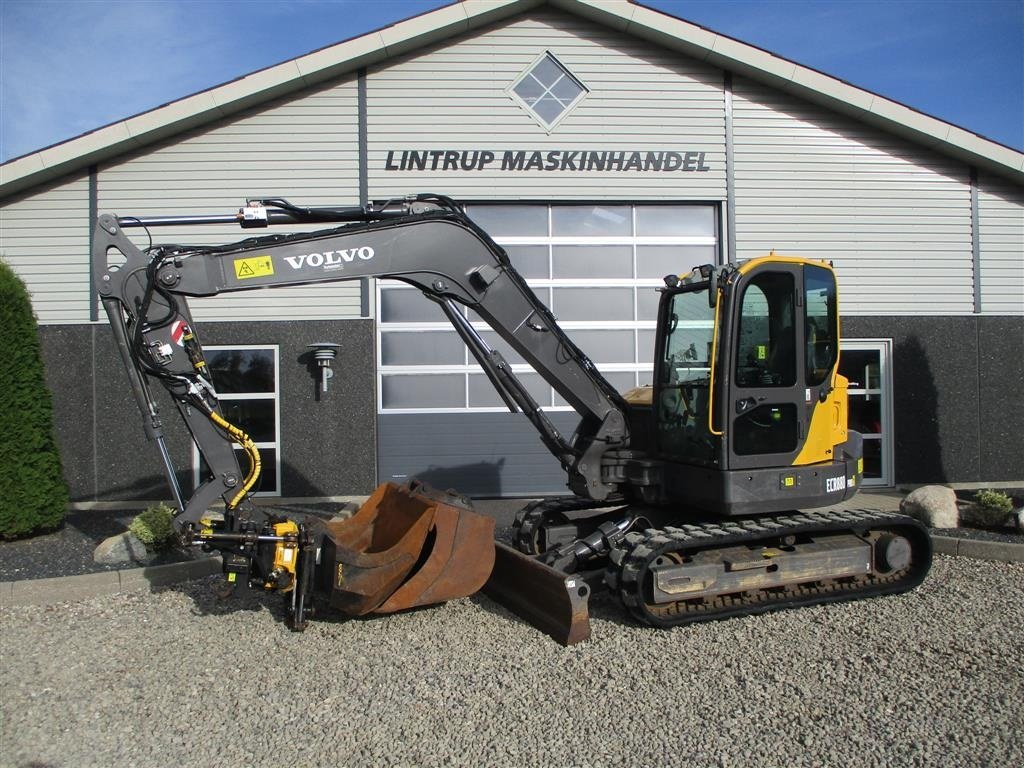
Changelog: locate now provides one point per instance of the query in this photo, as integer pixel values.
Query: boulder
(933, 505)
(122, 549)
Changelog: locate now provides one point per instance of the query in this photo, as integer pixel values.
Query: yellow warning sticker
(254, 266)
(860, 466)
(762, 352)
(789, 482)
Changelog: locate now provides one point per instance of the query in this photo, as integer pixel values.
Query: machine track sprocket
(724, 569)
(526, 529)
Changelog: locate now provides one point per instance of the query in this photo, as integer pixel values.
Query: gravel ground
(179, 676)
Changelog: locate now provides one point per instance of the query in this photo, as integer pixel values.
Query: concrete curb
(64, 588)
(1001, 551)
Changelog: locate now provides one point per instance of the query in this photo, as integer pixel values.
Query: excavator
(699, 497)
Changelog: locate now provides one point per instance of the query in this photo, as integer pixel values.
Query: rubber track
(629, 564)
(539, 512)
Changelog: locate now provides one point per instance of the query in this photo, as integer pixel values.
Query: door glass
(821, 328)
(766, 429)
(683, 394)
(766, 347)
(865, 364)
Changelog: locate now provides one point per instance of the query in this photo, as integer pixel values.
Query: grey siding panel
(302, 148)
(479, 454)
(44, 237)
(1001, 226)
(454, 97)
(894, 218)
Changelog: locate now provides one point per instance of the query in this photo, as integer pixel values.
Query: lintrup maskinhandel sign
(542, 160)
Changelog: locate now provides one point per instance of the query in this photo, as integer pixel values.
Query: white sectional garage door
(597, 267)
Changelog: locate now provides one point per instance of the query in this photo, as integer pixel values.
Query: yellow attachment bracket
(251, 451)
(286, 553)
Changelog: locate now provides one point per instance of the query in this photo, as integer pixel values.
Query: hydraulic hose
(250, 449)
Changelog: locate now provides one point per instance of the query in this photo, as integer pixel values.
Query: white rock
(933, 505)
(122, 549)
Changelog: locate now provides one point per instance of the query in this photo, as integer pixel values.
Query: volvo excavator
(692, 499)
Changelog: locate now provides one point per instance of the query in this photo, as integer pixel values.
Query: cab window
(821, 326)
(766, 342)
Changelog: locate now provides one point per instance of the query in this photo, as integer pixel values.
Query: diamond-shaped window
(548, 90)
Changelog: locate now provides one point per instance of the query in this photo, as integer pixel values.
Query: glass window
(606, 346)
(593, 304)
(656, 261)
(766, 346)
(424, 391)
(548, 89)
(683, 394)
(482, 393)
(591, 221)
(408, 305)
(821, 326)
(675, 221)
(246, 380)
(510, 220)
(242, 370)
(422, 348)
(530, 261)
(595, 261)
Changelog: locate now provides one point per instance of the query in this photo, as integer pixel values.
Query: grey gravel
(181, 677)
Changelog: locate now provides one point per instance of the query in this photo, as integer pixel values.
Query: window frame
(510, 91)
(274, 445)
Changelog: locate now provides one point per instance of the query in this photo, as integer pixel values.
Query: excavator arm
(425, 241)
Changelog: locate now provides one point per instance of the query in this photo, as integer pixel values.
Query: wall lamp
(324, 353)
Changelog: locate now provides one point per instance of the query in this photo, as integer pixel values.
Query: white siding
(302, 148)
(453, 97)
(1001, 219)
(44, 237)
(894, 218)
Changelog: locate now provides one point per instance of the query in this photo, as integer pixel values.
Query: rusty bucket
(406, 546)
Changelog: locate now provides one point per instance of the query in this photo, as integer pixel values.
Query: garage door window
(597, 267)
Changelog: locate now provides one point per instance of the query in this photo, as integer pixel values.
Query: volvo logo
(330, 259)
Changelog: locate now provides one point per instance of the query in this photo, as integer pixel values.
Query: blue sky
(69, 66)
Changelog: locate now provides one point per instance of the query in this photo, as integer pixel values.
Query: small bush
(154, 527)
(33, 495)
(994, 501)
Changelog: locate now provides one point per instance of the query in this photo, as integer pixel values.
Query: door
(867, 365)
(767, 406)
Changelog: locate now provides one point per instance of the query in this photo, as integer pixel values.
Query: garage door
(597, 267)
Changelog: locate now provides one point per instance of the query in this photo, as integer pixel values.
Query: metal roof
(435, 26)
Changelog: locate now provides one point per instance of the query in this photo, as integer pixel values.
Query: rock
(978, 516)
(933, 505)
(122, 549)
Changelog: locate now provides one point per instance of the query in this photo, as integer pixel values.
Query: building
(603, 144)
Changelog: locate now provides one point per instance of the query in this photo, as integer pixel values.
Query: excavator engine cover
(406, 546)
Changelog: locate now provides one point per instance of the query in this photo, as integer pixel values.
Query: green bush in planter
(33, 495)
(996, 502)
(154, 527)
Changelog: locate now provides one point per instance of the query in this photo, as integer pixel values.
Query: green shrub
(994, 501)
(154, 527)
(33, 495)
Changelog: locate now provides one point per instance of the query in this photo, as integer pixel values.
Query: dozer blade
(552, 601)
(406, 546)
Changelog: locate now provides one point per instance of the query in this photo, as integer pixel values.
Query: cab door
(767, 407)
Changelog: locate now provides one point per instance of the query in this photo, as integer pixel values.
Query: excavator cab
(747, 394)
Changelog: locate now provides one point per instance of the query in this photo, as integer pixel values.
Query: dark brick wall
(328, 446)
(956, 379)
